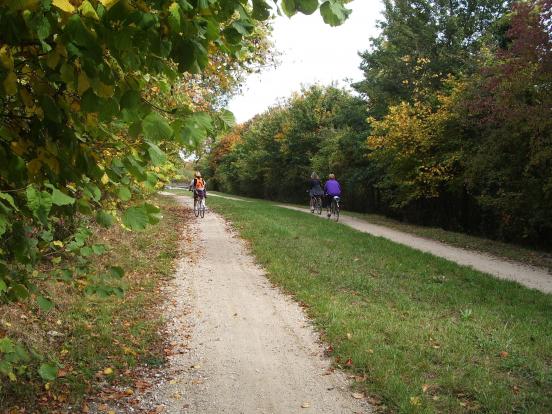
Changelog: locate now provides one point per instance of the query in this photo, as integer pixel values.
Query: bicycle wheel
(336, 211)
(196, 207)
(312, 204)
(202, 208)
(319, 205)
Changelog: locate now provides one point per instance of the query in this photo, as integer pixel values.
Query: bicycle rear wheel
(202, 208)
(319, 205)
(336, 212)
(196, 207)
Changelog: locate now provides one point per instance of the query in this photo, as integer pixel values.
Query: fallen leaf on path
(349, 336)
(357, 395)
(142, 385)
(305, 405)
(349, 362)
(373, 400)
(503, 354)
(108, 371)
(425, 387)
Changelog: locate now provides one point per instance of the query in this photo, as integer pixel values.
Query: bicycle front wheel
(318, 205)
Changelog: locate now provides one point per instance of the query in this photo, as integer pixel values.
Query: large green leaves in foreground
(88, 112)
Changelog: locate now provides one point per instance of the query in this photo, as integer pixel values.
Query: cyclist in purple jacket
(331, 190)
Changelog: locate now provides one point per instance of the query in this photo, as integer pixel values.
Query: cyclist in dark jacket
(315, 186)
(315, 190)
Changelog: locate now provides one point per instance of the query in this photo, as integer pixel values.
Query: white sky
(311, 52)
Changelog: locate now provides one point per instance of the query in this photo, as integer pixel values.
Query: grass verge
(422, 334)
(98, 341)
(465, 241)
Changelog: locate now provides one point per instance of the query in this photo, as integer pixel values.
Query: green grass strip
(428, 334)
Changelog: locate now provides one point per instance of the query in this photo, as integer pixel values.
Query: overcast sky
(310, 52)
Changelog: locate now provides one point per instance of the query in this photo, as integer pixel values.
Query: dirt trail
(530, 276)
(252, 350)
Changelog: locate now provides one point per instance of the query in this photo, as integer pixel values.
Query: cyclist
(332, 189)
(315, 189)
(198, 186)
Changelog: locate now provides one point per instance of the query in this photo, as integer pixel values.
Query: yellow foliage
(83, 83)
(10, 84)
(412, 132)
(64, 5)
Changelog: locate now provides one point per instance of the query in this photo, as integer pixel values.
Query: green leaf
(48, 372)
(104, 219)
(261, 10)
(194, 129)
(157, 156)
(42, 27)
(334, 13)
(86, 251)
(116, 272)
(174, 17)
(40, 203)
(99, 249)
(3, 224)
(289, 8)
(3, 286)
(124, 193)
(6, 345)
(90, 102)
(83, 206)
(131, 99)
(61, 199)
(91, 190)
(44, 303)
(154, 213)
(136, 218)
(307, 6)
(227, 118)
(156, 128)
(20, 291)
(50, 108)
(9, 199)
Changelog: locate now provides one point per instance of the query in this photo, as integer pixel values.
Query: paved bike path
(530, 276)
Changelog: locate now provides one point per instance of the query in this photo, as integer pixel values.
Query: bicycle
(316, 204)
(334, 208)
(199, 204)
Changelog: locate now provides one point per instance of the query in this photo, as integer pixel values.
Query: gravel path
(530, 276)
(251, 348)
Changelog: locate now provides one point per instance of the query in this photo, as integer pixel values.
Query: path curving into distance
(530, 276)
